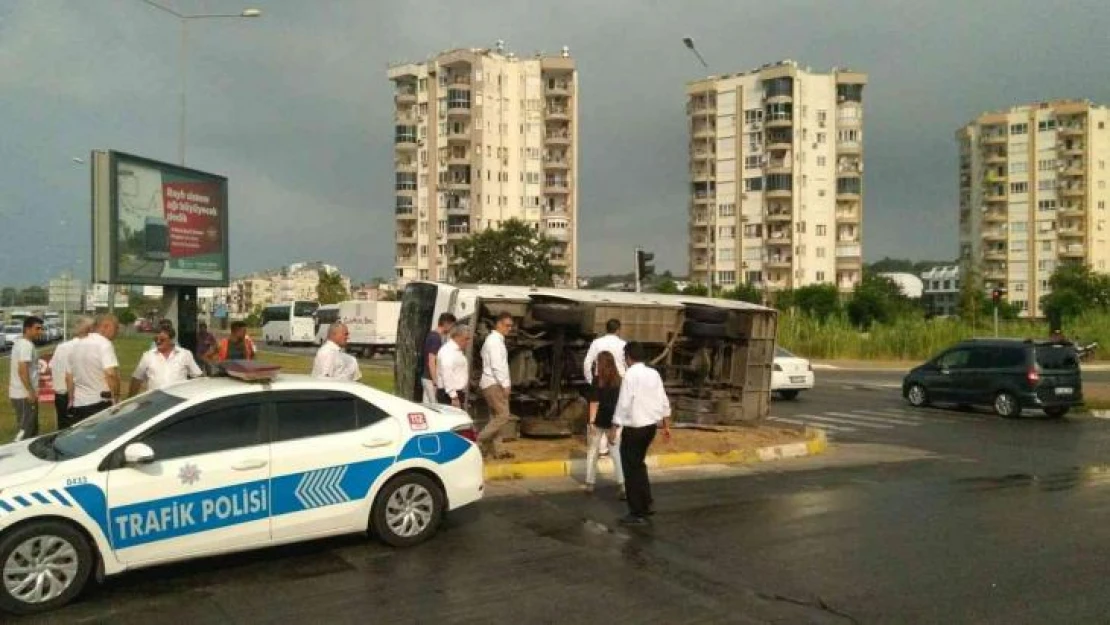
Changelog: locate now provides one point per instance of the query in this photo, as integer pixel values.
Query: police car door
(206, 490)
(328, 449)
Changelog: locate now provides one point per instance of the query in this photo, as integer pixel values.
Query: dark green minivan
(1008, 375)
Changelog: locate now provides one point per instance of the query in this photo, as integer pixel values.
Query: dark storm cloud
(295, 108)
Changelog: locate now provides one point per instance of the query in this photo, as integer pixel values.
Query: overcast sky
(295, 108)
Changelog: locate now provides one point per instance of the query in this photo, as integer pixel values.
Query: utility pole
(636, 264)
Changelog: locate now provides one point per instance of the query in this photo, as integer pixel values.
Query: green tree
(9, 296)
(877, 299)
(330, 289)
(33, 296)
(1075, 289)
(819, 301)
(744, 293)
(696, 290)
(126, 316)
(254, 319)
(515, 253)
(667, 287)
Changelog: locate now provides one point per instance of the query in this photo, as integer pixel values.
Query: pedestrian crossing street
(873, 420)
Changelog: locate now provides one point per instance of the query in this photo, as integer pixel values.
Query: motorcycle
(1086, 352)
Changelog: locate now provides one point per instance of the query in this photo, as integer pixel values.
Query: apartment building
(941, 293)
(297, 281)
(483, 136)
(776, 169)
(1033, 195)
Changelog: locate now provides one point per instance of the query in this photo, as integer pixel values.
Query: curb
(1099, 414)
(816, 443)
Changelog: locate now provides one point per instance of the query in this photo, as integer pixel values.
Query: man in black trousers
(642, 405)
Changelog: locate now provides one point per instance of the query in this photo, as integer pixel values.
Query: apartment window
(1019, 167)
(780, 111)
(726, 278)
(1046, 205)
(753, 231)
(820, 276)
(1019, 129)
(726, 210)
(752, 116)
(822, 116)
(754, 277)
(1046, 266)
(1019, 187)
(1019, 246)
(726, 255)
(820, 193)
(726, 233)
(822, 230)
(800, 227)
(1044, 225)
(1047, 164)
(1101, 205)
(1046, 124)
(847, 135)
(1046, 185)
(779, 182)
(752, 162)
(406, 181)
(821, 160)
(1018, 227)
(822, 137)
(753, 184)
(423, 251)
(1046, 246)
(820, 251)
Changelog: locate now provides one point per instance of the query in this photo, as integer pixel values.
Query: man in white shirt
(452, 368)
(95, 370)
(331, 359)
(165, 365)
(23, 379)
(641, 406)
(61, 370)
(611, 342)
(496, 386)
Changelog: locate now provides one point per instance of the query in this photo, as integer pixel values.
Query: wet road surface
(960, 518)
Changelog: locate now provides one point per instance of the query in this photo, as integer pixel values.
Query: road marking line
(889, 415)
(925, 418)
(823, 426)
(861, 424)
(869, 419)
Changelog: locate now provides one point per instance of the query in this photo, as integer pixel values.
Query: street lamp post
(185, 18)
(689, 43)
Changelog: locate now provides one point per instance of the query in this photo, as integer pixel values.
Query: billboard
(155, 223)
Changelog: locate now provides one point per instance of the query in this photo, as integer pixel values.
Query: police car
(218, 465)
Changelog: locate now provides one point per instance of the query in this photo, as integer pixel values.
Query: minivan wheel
(44, 565)
(1006, 405)
(1057, 412)
(917, 396)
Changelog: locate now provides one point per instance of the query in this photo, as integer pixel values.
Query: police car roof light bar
(249, 371)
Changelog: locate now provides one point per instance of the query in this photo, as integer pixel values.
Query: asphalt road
(942, 517)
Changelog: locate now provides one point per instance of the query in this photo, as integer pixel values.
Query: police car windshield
(106, 426)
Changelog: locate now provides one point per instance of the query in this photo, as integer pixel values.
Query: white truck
(715, 355)
(372, 325)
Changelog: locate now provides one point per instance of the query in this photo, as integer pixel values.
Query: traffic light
(996, 296)
(643, 260)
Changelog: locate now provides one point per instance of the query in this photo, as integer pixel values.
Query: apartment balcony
(560, 113)
(405, 96)
(457, 185)
(995, 196)
(994, 158)
(994, 138)
(559, 261)
(994, 216)
(405, 143)
(1071, 130)
(780, 98)
(779, 238)
(556, 187)
(994, 235)
(847, 195)
(1073, 251)
(994, 255)
(457, 208)
(994, 177)
(460, 108)
(1072, 149)
(1074, 170)
(778, 216)
(703, 175)
(780, 166)
(1071, 190)
(408, 166)
(459, 159)
(557, 138)
(849, 170)
(849, 147)
(704, 198)
(847, 216)
(457, 136)
(775, 144)
(406, 191)
(558, 234)
(849, 262)
(700, 244)
(406, 117)
(405, 213)
(1074, 211)
(406, 236)
(778, 262)
(779, 193)
(778, 122)
(1070, 232)
(406, 261)
(458, 231)
(702, 155)
(556, 163)
(558, 87)
(458, 81)
(705, 132)
(995, 274)
(700, 265)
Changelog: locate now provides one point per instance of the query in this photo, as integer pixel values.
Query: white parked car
(218, 465)
(791, 374)
(12, 332)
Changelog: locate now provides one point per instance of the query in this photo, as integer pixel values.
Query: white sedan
(791, 374)
(218, 465)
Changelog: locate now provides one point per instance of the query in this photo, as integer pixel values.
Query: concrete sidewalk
(814, 443)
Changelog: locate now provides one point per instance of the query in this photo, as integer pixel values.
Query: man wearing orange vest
(238, 346)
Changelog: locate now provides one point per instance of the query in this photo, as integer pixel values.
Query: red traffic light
(996, 295)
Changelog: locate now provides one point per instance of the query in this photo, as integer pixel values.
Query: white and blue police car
(218, 465)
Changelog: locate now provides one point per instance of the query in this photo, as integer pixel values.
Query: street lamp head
(78, 160)
(688, 42)
(251, 13)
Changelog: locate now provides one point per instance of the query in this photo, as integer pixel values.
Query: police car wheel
(43, 565)
(408, 510)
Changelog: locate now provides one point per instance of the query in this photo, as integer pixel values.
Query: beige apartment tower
(1033, 195)
(776, 168)
(483, 136)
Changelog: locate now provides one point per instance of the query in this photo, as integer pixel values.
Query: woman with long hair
(603, 403)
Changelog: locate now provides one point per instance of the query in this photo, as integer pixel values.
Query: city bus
(289, 322)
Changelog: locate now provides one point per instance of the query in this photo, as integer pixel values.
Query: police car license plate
(797, 379)
(1064, 390)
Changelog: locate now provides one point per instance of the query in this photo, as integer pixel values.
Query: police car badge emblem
(189, 474)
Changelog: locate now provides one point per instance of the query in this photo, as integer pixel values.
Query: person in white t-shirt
(61, 370)
(331, 361)
(165, 365)
(24, 379)
(95, 370)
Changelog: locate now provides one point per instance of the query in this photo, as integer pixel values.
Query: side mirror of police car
(138, 453)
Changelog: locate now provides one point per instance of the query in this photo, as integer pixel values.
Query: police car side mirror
(138, 453)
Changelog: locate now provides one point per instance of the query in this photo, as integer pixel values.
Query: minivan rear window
(1057, 357)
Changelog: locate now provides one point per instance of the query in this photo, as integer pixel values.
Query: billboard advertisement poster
(166, 225)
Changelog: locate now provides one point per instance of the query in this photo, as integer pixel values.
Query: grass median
(130, 348)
